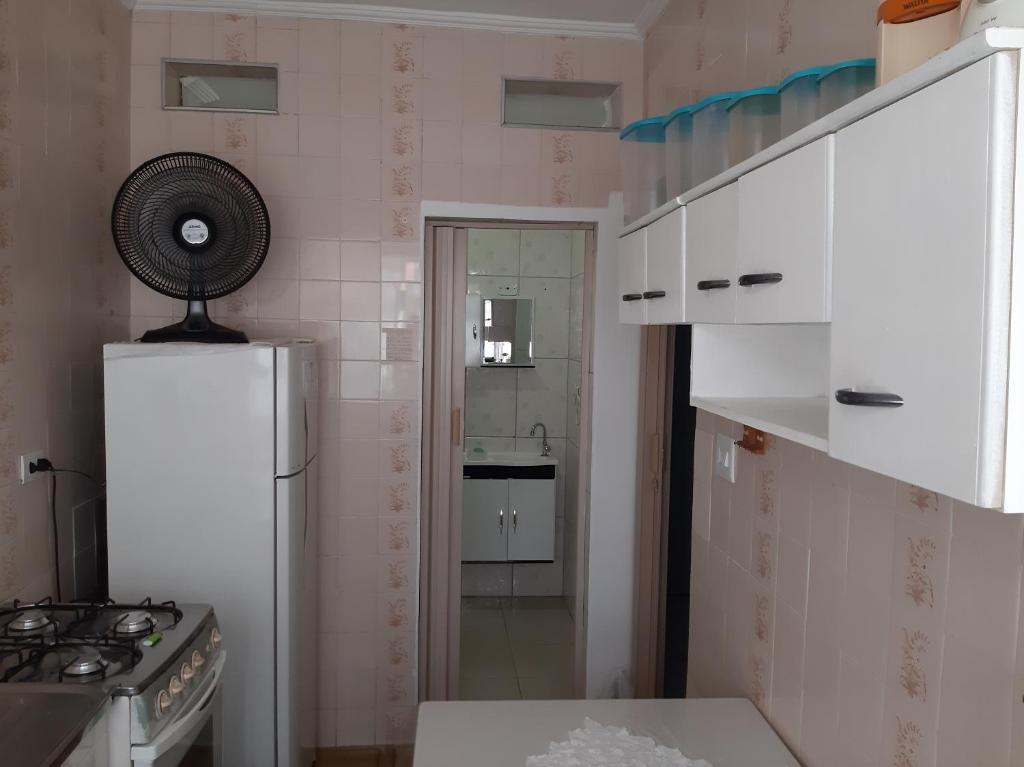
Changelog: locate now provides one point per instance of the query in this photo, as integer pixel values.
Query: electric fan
(192, 227)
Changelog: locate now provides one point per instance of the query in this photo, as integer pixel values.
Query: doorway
(507, 347)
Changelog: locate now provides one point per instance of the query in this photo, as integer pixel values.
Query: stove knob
(215, 638)
(163, 703)
(187, 673)
(175, 686)
(197, 660)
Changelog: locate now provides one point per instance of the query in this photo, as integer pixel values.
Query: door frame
(653, 445)
(440, 592)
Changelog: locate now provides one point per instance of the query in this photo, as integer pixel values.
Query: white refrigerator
(211, 497)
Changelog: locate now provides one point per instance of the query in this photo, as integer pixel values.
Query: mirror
(508, 332)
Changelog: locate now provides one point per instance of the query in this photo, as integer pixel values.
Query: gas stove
(158, 662)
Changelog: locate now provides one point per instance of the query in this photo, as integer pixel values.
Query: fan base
(180, 331)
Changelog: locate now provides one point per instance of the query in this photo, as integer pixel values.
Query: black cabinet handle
(767, 278)
(632, 296)
(713, 284)
(654, 294)
(868, 398)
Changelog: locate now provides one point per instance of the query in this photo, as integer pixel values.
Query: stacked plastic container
(679, 151)
(711, 136)
(643, 166)
(664, 157)
(843, 82)
(753, 122)
(798, 100)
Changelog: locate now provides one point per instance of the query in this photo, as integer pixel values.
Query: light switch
(725, 457)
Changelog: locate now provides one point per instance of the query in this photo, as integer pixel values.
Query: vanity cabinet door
(485, 520)
(531, 537)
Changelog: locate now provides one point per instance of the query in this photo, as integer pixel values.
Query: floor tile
(481, 605)
(543, 688)
(550, 661)
(512, 648)
(476, 688)
(546, 626)
(554, 604)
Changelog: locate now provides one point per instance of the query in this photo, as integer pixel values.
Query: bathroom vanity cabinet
(508, 518)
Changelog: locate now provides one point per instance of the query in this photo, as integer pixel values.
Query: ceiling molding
(390, 15)
(650, 13)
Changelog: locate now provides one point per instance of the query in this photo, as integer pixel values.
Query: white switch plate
(24, 461)
(725, 457)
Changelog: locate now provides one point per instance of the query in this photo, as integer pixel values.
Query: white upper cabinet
(711, 238)
(785, 238)
(920, 290)
(666, 269)
(632, 277)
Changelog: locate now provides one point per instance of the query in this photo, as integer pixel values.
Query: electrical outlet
(23, 462)
(725, 457)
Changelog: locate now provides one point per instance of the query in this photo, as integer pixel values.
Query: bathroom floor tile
(543, 688)
(485, 688)
(512, 648)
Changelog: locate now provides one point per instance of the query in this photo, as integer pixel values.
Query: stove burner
(78, 642)
(87, 661)
(31, 620)
(135, 622)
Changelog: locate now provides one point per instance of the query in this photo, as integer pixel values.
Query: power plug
(30, 467)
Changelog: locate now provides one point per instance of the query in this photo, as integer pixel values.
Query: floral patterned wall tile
(373, 119)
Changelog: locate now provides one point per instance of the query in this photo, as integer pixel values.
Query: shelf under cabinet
(800, 419)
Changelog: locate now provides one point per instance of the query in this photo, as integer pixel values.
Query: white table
(728, 732)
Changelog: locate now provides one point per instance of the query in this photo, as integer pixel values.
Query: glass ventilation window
(219, 86)
(562, 104)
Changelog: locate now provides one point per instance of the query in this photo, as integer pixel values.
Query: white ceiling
(603, 18)
(608, 11)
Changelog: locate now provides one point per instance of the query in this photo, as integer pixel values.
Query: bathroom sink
(512, 459)
(509, 466)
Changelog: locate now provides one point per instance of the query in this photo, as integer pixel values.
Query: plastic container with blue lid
(679, 151)
(643, 166)
(799, 100)
(843, 82)
(711, 136)
(753, 122)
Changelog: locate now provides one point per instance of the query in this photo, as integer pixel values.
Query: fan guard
(192, 227)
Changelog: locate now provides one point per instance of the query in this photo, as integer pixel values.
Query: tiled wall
(872, 622)
(503, 405)
(700, 47)
(63, 289)
(374, 119)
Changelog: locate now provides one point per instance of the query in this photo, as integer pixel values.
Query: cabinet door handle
(654, 294)
(515, 520)
(713, 284)
(868, 398)
(632, 296)
(766, 278)
(501, 520)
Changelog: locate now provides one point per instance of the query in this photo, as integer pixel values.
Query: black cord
(43, 464)
(89, 477)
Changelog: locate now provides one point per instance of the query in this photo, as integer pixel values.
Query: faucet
(545, 447)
